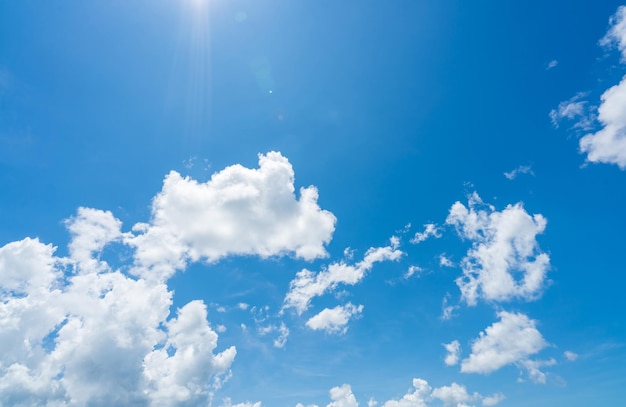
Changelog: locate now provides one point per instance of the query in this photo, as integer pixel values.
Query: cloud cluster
(421, 394)
(89, 335)
(505, 261)
(76, 331)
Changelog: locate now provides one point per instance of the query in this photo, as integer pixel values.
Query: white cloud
(412, 270)
(239, 211)
(97, 337)
(74, 331)
(509, 341)
(453, 395)
(283, 333)
(532, 367)
(334, 320)
(228, 403)
(430, 230)
(575, 109)
(179, 372)
(281, 340)
(421, 394)
(342, 396)
(447, 311)
(445, 261)
(522, 169)
(493, 399)
(308, 284)
(505, 261)
(454, 352)
(616, 34)
(91, 230)
(608, 145)
(417, 396)
(569, 355)
(552, 64)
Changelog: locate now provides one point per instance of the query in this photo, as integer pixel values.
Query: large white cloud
(75, 331)
(308, 285)
(505, 261)
(95, 338)
(509, 341)
(239, 211)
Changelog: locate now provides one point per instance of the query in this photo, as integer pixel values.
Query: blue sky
(281, 203)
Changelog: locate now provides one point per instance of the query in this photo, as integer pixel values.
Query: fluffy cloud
(417, 397)
(453, 395)
(421, 394)
(91, 230)
(608, 145)
(509, 341)
(75, 331)
(342, 396)
(239, 211)
(493, 399)
(454, 352)
(334, 320)
(95, 337)
(308, 284)
(505, 261)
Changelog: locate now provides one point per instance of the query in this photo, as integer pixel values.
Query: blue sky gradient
(172, 152)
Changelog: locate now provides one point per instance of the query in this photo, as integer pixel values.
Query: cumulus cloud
(608, 144)
(505, 261)
(308, 285)
(430, 230)
(421, 394)
(493, 399)
(334, 320)
(342, 396)
(76, 331)
(454, 352)
(509, 341)
(239, 211)
(98, 337)
(522, 169)
(454, 395)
